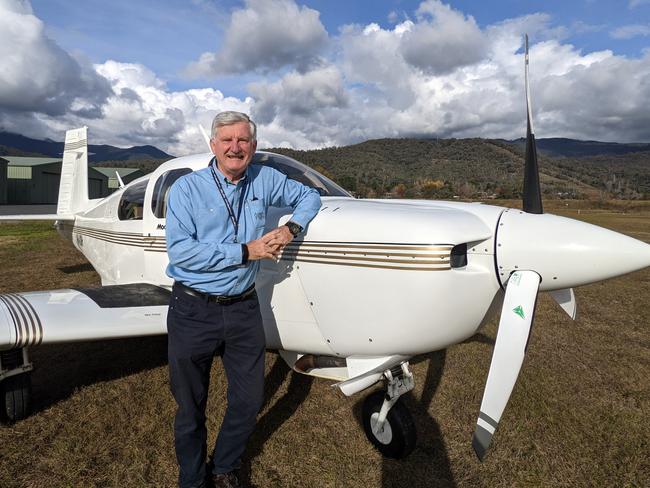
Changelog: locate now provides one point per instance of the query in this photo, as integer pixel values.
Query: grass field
(578, 415)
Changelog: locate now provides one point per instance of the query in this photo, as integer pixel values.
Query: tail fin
(73, 189)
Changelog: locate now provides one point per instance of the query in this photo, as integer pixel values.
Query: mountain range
(431, 168)
(26, 146)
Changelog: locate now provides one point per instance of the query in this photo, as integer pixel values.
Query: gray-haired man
(215, 241)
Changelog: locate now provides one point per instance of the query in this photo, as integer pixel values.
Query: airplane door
(155, 210)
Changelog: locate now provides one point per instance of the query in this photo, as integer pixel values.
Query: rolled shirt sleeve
(304, 201)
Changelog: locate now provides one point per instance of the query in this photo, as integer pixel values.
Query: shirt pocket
(257, 213)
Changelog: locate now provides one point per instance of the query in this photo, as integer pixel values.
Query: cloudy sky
(316, 73)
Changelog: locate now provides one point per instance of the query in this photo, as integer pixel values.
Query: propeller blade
(514, 329)
(532, 193)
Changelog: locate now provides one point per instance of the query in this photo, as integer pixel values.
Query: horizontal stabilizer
(37, 217)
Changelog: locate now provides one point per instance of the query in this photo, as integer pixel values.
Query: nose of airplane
(564, 252)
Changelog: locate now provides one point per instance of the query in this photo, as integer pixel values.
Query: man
(215, 226)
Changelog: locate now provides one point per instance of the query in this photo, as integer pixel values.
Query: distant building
(3, 180)
(32, 180)
(127, 175)
(36, 181)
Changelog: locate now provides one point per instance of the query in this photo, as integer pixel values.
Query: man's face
(233, 146)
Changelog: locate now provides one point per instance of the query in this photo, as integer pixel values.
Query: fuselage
(368, 277)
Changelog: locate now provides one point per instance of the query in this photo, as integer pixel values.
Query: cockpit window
(161, 190)
(301, 173)
(132, 201)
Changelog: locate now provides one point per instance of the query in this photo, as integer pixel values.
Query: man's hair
(229, 118)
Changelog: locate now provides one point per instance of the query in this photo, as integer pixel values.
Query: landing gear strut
(386, 421)
(15, 385)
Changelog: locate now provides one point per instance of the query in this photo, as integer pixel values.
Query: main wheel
(397, 439)
(15, 392)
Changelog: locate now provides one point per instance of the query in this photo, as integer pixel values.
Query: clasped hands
(270, 245)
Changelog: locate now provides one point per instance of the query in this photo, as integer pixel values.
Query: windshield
(301, 173)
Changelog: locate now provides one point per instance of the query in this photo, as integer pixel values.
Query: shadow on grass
(297, 391)
(480, 338)
(77, 268)
(428, 465)
(60, 369)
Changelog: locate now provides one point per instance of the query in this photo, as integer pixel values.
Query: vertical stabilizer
(73, 189)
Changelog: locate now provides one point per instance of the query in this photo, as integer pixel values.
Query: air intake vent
(458, 258)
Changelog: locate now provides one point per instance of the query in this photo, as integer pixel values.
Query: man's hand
(283, 235)
(270, 245)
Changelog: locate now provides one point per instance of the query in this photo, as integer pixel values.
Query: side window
(301, 173)
(132, 202)
(161, 190)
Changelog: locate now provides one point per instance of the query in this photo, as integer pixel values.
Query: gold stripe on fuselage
(434, 257)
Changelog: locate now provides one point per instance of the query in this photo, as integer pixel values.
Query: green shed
(36, 181)
(3, 181)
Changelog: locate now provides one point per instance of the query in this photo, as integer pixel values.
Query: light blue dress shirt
(203, 253)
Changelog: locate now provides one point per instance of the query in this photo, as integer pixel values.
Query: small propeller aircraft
(369, 285)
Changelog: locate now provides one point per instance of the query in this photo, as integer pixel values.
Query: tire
(399, 436)
(16, 395)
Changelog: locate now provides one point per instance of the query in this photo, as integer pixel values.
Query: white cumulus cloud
(630, 31)
(443, 39)
(38, 76)
(264, 36)
(365, 82)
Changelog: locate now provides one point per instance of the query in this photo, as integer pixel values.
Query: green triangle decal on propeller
(519, 311)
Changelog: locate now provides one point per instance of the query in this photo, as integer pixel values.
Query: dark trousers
(198, 330)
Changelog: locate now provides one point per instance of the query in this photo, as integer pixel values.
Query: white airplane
(369, 285)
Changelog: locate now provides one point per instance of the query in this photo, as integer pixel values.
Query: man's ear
(212, 147)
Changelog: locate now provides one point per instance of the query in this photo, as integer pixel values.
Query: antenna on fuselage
(532, 201)
(119, 180)
(205, 135)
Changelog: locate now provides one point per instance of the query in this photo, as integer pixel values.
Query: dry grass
(578, 415)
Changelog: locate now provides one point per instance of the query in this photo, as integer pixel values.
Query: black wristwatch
(294, 228)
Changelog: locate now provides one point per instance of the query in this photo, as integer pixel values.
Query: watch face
(294, 228)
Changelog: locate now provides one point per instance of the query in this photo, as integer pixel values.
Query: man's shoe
(226, 480)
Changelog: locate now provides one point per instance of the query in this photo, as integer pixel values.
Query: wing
(70, 315)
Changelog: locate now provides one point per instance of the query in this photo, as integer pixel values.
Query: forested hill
(473, 168)
(434, 168)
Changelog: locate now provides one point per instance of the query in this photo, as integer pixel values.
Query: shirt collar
(224, 178)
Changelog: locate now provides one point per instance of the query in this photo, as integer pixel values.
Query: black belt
(222, 299)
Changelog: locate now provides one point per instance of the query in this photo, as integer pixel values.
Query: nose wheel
(386, 421)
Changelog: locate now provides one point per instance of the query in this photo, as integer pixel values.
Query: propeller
(512, 338)
(518, 308)
(532, 193)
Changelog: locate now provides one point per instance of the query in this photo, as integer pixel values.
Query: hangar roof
(23, 161)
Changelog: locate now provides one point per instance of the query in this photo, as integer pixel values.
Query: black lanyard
(234, 219)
